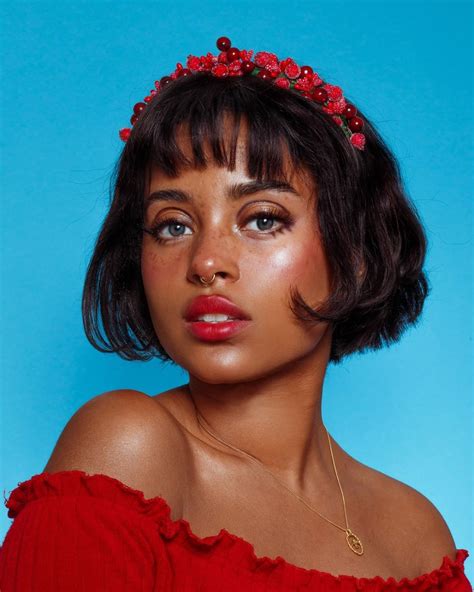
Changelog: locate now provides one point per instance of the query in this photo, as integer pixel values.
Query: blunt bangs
(205, 101)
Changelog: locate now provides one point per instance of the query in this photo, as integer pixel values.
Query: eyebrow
(234, 192)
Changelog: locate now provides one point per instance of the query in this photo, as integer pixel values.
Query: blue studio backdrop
(71, 73)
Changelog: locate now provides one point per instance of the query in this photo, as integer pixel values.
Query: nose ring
(205, 282)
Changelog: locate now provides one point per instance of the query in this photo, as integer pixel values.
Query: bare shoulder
(418, 531)
(125, 434)
(432, 538)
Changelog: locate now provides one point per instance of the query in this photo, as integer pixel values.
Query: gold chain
(352, 539)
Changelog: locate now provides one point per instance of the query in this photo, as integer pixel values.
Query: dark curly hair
(372, 235)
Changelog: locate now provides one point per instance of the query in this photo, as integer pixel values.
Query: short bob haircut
(373, 238)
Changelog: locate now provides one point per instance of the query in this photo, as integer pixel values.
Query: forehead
(233, 172)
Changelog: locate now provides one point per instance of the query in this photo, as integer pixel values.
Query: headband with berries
(284, 73)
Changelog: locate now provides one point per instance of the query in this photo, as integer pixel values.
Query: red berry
(139, 108)
(306, 70)
(349, 111)
(320, 95)
(124, 133)
(184, 72)
(165, 80)
(247, 66)
(147, 99)
(355, 124)
(133, 119)
(233, 54)
(265, 74)
(223, 43)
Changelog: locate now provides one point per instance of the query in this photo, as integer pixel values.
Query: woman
(258, 232)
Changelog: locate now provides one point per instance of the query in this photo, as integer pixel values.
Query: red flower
(292, 70)
(246, 55)
(358, 140)
(262, 58)
(334, 92)
(274, 69)
(316, 79)
(207, 61)
(220, 70)
(234, 67)
(304, 84)
(284, 63)
(335, 106)
(308, 83)
(193, 63)
(282, 82)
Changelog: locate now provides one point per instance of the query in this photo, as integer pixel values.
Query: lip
(206, 331)
(214, 304)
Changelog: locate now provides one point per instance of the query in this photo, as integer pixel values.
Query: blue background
(71, 75)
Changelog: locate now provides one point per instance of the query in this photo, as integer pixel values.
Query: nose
(214, 252)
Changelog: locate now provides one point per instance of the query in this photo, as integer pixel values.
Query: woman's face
(256, 260)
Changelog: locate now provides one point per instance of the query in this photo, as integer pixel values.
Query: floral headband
(283, 73)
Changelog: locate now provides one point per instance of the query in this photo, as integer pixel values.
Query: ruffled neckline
(78, 482)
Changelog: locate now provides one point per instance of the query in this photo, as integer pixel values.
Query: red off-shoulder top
(74, 532)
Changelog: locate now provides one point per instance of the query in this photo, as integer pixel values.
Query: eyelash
(286, 219)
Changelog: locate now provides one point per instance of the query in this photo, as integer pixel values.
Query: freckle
(154, 260)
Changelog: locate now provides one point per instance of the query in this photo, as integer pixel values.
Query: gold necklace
(352, 539)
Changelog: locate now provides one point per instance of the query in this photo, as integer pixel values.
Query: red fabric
(74, 532)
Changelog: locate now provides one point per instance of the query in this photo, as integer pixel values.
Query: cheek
(157, 271)
(313, 272)
(156, 268)
(301, 264)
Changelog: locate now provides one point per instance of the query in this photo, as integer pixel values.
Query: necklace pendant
(354, 542)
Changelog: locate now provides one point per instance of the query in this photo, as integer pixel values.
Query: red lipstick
(215, 329)
(213, 305)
